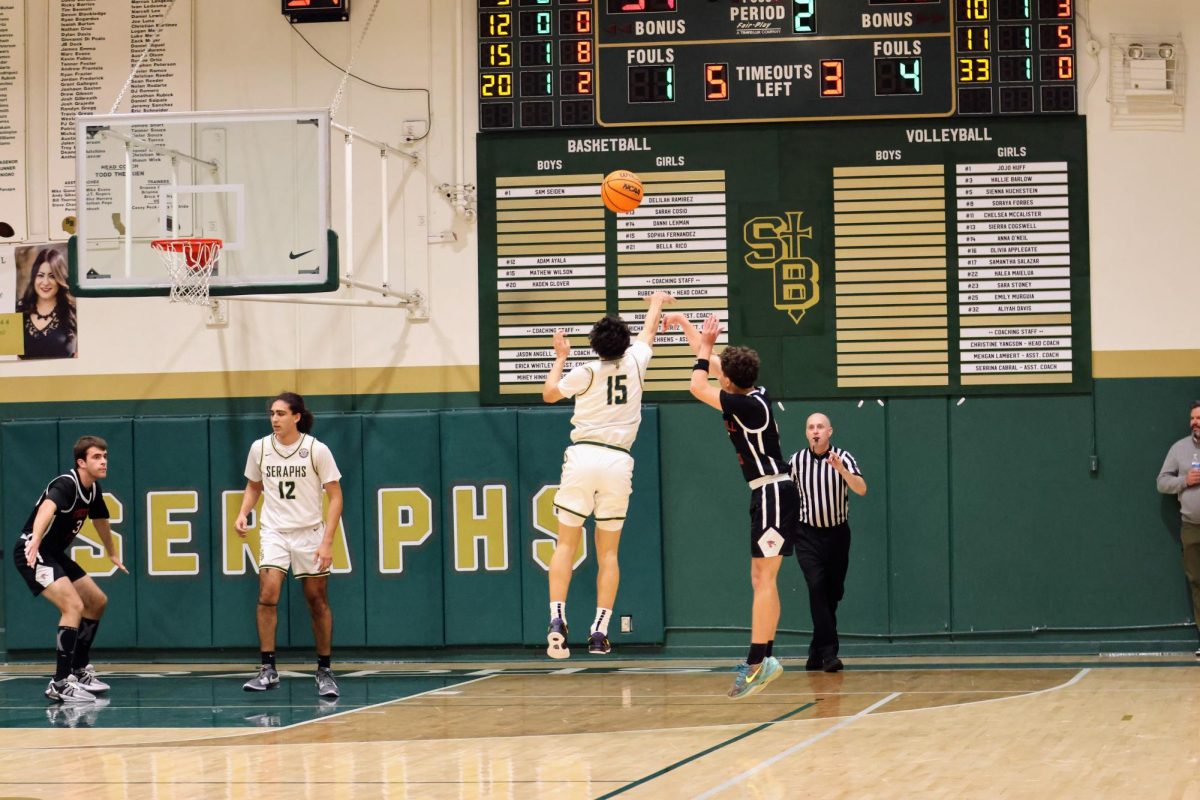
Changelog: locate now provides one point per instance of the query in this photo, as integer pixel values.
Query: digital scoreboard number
(537, 64)
(734, 61)
(581, 63)
(688, 61)
(1015, 56)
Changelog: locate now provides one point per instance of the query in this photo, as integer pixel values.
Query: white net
(190, 264)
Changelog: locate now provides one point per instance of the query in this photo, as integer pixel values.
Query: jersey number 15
(617, 393)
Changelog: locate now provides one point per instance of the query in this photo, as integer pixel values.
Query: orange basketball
(621, 191)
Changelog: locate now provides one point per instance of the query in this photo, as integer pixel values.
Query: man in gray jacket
(1180, 476)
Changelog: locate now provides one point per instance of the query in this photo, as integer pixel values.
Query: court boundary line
(736, 779)
(847, 721)
(1076, 678)
(711, 749)
(1013, 696)
(256, 782)
(1009, 695)
(231, 733)
(813, 739)
(260, 731)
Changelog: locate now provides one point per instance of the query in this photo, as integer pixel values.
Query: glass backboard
(256, 180)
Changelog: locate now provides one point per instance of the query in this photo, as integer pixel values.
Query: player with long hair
(289, 470)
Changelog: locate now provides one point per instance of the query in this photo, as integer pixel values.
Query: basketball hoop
(189, 262)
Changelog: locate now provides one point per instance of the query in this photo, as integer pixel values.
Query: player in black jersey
(774, 500)
(42, 558)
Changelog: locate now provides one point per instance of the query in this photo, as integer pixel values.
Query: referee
(823, 473)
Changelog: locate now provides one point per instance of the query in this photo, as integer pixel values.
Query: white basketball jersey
(293, 479)
(608, 397)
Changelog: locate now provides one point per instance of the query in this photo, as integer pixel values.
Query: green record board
(859, 259)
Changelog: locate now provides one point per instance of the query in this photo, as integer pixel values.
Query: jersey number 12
(287, 490)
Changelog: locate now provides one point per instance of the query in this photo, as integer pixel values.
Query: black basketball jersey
(754, 434)
(74, 507)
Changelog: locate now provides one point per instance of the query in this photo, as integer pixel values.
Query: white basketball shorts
(291, 549)
(595, 481)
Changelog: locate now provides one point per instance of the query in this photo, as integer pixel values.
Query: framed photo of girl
(49, 327)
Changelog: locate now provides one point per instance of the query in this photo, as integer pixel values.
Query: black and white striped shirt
(823, 491)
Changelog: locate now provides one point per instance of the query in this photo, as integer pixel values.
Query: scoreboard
(537, 64)
(927, 237)
(585, 63)
(866, 258)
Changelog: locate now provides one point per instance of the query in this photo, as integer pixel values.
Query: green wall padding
(918, 503)
(705, 511)
(1018, 547)
(173, 610)
(405, 607)
(1128, 551)
(31, 459)
(983, 524)
(482, 604)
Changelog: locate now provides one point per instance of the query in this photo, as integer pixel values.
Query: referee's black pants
(824, 556)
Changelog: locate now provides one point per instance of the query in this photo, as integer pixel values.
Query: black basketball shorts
(50, 566)
(774, 512)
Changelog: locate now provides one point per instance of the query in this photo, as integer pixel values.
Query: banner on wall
(13, 209)
(37, 310)
(100, 41)
(12, 342)
(462, 511)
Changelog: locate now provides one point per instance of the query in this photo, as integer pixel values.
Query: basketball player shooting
(597, 474)
(774, 498)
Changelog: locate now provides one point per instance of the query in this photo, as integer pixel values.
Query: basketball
(621, 191)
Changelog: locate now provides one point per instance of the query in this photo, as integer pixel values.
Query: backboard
(256, 180)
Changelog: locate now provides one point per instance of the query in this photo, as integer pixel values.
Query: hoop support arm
(413, 157)
(162, 151)
(414, 304)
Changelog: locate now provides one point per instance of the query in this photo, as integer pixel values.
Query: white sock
(558, 610)
(603, 615)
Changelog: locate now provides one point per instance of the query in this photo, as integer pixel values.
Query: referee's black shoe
(828, 665)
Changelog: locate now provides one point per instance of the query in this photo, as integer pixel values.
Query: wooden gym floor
(590, 728)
